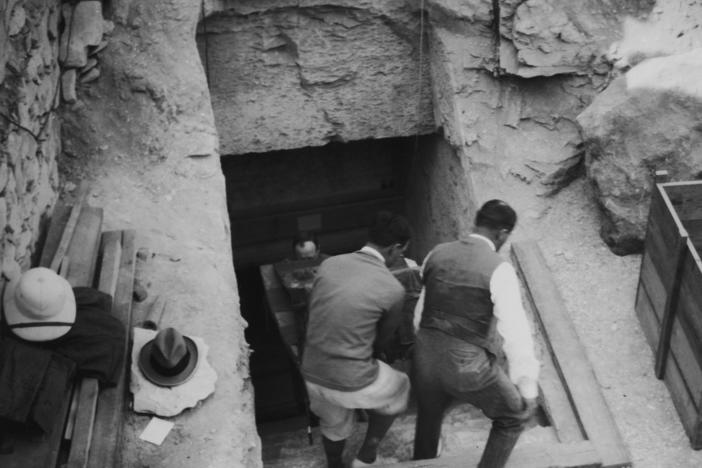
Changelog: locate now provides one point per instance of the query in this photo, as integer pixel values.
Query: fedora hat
(39, 305)
(169, 359)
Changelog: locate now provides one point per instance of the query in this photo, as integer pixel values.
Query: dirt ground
(599, 289)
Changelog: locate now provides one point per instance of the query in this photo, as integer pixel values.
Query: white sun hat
(39, 305)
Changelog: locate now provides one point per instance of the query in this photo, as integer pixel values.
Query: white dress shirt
(512, 325)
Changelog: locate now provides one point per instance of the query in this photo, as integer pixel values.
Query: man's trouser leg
(432, 402)
(501, 402)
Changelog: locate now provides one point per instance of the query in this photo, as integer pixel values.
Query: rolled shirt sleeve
(515, 329)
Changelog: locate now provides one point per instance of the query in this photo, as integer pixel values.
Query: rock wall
(290, 74)
(143, 135)
(29, 127)
(647, 119)
(509, 107)
(439, 201)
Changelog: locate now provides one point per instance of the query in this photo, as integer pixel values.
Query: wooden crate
(669, 296)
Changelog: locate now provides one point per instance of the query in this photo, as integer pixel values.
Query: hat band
(40, 324)
(171, 371)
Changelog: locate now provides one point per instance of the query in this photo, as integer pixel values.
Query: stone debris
(81, 41)
(91, 75)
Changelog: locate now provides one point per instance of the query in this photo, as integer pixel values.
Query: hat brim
(151, 374)
(13, 316)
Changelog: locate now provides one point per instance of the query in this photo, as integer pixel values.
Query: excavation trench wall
(499, 98)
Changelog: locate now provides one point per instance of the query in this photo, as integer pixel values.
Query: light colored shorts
(388, 394)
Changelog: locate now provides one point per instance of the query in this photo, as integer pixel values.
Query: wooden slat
(694, 231)
(554, 397)
(84, 423)
(89, 389)
(678, 251)
(686, 197)
(685, 405)
(30, 452)
(651, 280)
(83, 248)
(109, 418)
(650, 323)
(59, 218)
(283, 225)
(573, 455)
(569, 356)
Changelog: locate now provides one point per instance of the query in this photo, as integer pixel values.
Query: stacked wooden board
(669, 296)
(88, 429)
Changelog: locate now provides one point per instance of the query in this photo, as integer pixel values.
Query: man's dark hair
(496, 214)
(388, 228)
(304, 236)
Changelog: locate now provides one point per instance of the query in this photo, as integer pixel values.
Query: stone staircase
(465, 429)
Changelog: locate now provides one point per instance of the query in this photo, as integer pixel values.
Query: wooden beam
(569, 355)
(573, 455)
(71, 225)
(84, 246)
(109, 418)
(59, 219)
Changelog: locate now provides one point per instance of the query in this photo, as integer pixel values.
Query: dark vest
(457, 302)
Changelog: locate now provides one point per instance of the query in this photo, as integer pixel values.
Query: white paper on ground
(156, 431)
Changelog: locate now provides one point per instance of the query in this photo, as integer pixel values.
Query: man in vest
(354, 310)
(472, 312)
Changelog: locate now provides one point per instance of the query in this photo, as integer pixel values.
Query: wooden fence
(669, 297)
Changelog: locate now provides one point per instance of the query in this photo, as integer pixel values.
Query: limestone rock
(84, 28)
(308, 76)
(550, 37)
(17, 20)
(647, 120)
(164, 401)
(91, 75)
(68, 85)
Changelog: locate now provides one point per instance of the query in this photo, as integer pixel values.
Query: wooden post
(671, 305)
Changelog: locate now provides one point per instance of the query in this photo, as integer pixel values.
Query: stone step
(465, 430)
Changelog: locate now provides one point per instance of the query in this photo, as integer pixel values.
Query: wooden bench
(88, 429)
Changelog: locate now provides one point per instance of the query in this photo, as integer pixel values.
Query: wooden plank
(284, 224)
(59, 218)
(658, 248)
(83, 248)
(44, 451)
(84, 423)
(554, 396)
(89, 390)
(573, 455)
(569, 356)
(686, 197)
(651, 280)
(681, 348)
(679, 249)
(650, 323)
(109, 418)
(66, 236)
(684, 403)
